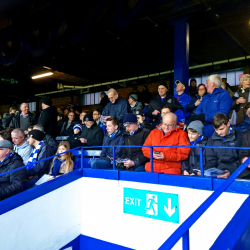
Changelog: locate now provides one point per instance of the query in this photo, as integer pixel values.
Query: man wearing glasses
(167, 160)
(117, 107)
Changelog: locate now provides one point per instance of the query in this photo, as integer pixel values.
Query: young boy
(112, 137)
(74, 139)
(191, 166)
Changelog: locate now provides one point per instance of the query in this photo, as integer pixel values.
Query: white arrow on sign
(168, 210)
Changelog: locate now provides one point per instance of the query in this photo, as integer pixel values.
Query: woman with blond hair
(240, 99)
(62, 164)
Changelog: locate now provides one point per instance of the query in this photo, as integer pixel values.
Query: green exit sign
(8, 80)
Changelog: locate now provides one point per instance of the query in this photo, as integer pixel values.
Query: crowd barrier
(183, 230)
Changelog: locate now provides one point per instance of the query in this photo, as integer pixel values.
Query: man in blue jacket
(116, 108)
(111, 138)
(182, 97)
(216, 101)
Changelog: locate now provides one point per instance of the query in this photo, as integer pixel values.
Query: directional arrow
(168, 210)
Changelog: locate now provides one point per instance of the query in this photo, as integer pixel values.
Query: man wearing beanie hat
(92, 134)
(41, 151)
(163, 98)
(141, 120)
(24, 119)
(133, 103)
(12, 183)
(48, 117)
(191, 166)
(182, 97)
(135, 136)
(74, 139)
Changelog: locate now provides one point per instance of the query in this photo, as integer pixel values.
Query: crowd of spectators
(209, 116)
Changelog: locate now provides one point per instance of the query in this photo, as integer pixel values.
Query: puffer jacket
(193, 161)
(173, 156)
(11, 184)
(218, 102)
(224, 159)
(244, 126)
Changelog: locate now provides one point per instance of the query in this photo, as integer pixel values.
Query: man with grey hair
(12, 183)
(24, 119)
(21, 147)
(167, 160)
(48, 139)
(216, 101)
(117, 107)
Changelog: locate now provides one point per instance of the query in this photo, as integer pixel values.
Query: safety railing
(183, 230)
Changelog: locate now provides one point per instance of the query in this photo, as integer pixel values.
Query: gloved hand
(197, 118)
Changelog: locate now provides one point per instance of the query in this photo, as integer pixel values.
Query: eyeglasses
(95, 114)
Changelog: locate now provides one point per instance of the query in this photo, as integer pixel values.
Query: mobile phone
(157, 152)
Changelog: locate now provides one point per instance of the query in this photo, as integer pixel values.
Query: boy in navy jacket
(111, 138)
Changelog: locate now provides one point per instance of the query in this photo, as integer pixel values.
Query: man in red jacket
(167, 160)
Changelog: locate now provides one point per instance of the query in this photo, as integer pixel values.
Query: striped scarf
(33, 157)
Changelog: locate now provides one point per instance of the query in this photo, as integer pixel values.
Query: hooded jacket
(48, 119)
(157, 104)
(224, 159)
(135, 153)
(11, 184)
(138, 106)
(15, 122)
(107, 141)
(24, 151)
(193, 161)
(118, 109)
(217, 102)
(173, 156)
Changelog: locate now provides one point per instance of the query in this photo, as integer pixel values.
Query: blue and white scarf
(8, 156)
(113, 135)
(33, 157)
(133, 132)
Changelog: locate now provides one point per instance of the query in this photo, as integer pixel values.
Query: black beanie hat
(47, 101)
(36, 134)
(88, 117)
(163, 83)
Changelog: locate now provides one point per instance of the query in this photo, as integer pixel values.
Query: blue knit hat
(130, 119)
(78, 126)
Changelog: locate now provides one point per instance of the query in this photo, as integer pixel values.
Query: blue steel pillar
(181, 51)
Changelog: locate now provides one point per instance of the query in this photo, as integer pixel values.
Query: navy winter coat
(193, 161)
(107, 141)
(244, 126)
(118, 109)
(218, 102)
(191, 106)
(224, 159)
(11, 184)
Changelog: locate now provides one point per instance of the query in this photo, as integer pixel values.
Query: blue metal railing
(183, 230)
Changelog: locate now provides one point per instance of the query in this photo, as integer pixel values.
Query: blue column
(181, 51)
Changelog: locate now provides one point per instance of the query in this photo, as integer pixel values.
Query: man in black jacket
(67, 128)
(10, 184)
(92, 134)
(24, 119)
(41, 151)
(104, 101)
(224, 136)
(7, 120)
(163, 98)
(48, 118)
(135, 136)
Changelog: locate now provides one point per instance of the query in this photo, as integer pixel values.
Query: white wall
(48, 222)
(103, 217)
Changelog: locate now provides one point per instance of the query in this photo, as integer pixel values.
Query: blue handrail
(183, 230)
